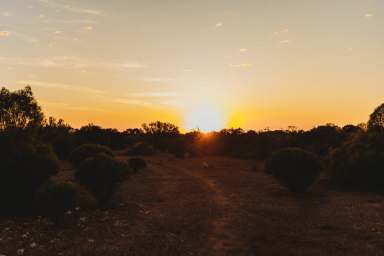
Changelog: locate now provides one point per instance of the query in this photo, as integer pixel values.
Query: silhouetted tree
(134, 132)
(59, 135)
(321, 139)
(351, 129)
(19, 109)
(163, 136)
(161, 128)
(376, 119)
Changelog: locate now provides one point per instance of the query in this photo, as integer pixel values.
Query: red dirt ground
(181, 207)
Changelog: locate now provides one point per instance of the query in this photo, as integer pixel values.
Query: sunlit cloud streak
(152, 94)
(75, 88)
(69, 62)
(133, 102)
(286, 41)
(4, 33)
(158, 79)
(70, 8)
(242, 65)
(67, 106)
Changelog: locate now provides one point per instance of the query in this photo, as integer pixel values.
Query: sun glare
(206, 118)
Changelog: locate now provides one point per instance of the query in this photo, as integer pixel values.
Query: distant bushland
(31, 146)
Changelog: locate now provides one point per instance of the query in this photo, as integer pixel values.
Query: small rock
(20, 252)
(69, 212)
(33, 245)
(91, 241)
(25, 235)
(83, 219)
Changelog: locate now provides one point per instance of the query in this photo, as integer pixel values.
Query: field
(208, 206)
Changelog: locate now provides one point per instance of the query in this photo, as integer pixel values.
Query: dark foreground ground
(180, 207)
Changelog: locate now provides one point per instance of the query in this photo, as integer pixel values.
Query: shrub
(24, 168)
(358, 164)
(101, 174)
(141, 148)
(87, 150)
(54, 200)
(137, 164)
(294, 168)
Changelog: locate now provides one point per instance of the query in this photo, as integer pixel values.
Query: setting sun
(206, 118)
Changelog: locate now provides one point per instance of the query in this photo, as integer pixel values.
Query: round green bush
(88, 150)
(23, 169)
(358, 163)
(54, 201)
(137, 164)
(294, 168)
(101, 174)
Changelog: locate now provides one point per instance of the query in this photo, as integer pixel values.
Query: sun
(206, 118)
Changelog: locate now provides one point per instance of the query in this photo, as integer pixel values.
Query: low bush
(24, 168)
(87, 150)
(358, 164)
(141, 148)
(101, 174)
(55, 200)
(137, 164)
(294, 168)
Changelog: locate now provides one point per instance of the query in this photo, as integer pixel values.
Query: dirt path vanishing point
(214, 199)
(222, 241)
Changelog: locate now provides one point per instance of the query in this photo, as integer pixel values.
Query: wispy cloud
(281, 32)
(242, 65)
(286, 41)
(148, 99)
(4, 33)
(219, 25)
(369, 15)
(70, 8)
(133, 65)
(88, 28)
(78, 21)
(69, 62)
(6, 14)
(67, 106)
(158, 79)
(9, 30)
(133, 102)
(152, 94)
(61, 86)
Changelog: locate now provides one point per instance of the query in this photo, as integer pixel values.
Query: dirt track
(210, 206)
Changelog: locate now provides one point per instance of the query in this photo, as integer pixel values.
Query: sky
(199, 64)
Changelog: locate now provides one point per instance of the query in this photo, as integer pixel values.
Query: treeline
(31, 146)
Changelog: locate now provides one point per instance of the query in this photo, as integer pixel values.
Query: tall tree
(376, 120)
(19, 109)
(161, 128)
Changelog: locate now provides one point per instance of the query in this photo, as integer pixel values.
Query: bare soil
(208, 206)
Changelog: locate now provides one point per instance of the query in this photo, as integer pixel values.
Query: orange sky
(200, 64)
